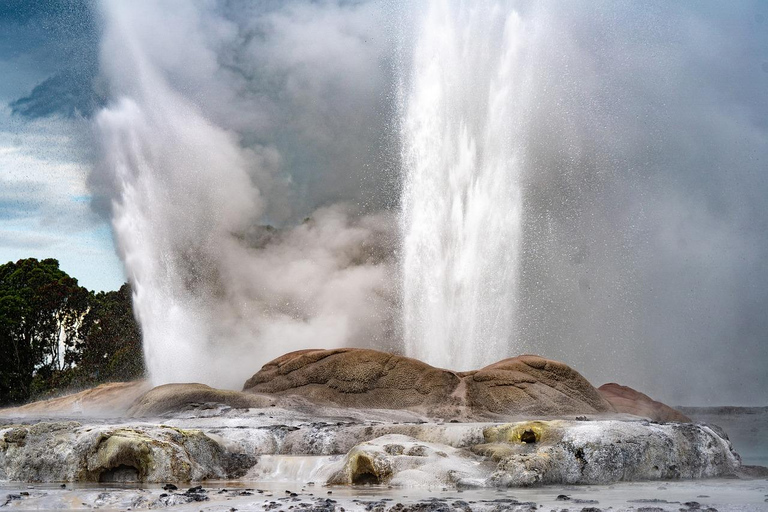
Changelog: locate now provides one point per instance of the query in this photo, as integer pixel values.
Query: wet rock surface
(73, 452)
(645, 497)
(456, 455)
(405, 461)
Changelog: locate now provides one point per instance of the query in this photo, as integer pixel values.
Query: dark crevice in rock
(365, 479)
(121, 473)
(528, 436)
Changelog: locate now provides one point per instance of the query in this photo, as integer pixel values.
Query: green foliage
(111, 346)
(55, 334)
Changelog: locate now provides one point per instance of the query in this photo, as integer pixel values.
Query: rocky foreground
(345, 418)
(368, 452)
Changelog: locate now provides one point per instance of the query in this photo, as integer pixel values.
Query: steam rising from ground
(643, 229)
(216, 294)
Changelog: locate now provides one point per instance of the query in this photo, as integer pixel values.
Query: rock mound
(627, 400)
(72, 452)
(601, 452)
(563, 452)
(405, 461)
(362, 378)
(355, 378)
(110, 399)
(531, 385)
(179, 397)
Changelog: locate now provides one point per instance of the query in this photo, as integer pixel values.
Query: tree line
(56, 335)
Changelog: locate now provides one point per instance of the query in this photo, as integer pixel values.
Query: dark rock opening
(528, 436)
(365, 479)
(121, 473)
(364, 473)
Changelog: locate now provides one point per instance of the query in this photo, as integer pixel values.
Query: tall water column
(462, 143)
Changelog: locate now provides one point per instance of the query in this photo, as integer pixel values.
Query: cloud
(20, 199)
(53, 44)
(24, 239)
(70, 93)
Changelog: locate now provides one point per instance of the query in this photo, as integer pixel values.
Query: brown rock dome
(627, 400)
(362, 378)
(351, 377)
(533, 385)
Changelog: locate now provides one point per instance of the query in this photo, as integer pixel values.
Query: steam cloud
(216, 294)
(643, 191)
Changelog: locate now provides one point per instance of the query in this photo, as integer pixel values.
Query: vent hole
(120, 473)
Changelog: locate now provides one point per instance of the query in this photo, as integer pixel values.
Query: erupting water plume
(183, 191)
(216, 293)
(480, 179)
(462, 201)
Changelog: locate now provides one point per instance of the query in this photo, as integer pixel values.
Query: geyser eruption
(183, 190)
(217, 293)
(581, 181)
(462, 202)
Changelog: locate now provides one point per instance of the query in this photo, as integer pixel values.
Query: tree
(17, 363)
(41, 311)
(55, 334)
(111, 345)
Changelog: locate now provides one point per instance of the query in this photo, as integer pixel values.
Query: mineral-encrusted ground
(224, 443)
(305, 423)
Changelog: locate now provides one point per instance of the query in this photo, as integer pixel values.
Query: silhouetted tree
(42, 310)
(55, 334)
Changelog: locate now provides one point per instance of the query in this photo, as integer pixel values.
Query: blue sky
(47, 59)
